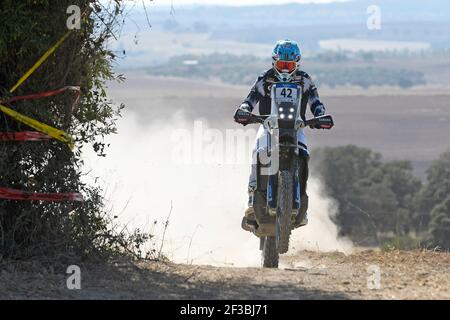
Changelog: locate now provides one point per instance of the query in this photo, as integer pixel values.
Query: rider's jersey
(260, 92)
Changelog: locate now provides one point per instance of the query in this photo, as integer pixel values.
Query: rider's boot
(249, 220)
(302, 217)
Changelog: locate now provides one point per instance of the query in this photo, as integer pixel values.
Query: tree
(435, 191)
(439, 232)
(29, 28)
(397, 177)
(373, 197)
(342, 169)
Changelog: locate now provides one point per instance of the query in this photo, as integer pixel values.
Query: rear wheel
(284, 214)
(269, 252)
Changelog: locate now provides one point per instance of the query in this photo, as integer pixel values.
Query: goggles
(285, 66)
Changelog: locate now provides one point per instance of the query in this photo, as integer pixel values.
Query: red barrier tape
(23, 136)
(12, 194)
(36, 96)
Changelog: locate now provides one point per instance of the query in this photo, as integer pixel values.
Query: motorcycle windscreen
(285, 101)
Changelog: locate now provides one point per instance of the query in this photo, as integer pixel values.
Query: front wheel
(269, 254)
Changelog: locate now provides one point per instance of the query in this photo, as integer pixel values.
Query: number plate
(286, 93)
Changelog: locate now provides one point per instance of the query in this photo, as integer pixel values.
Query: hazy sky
(236, 2)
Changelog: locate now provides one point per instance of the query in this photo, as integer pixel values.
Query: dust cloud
(198, 176)
(321, 233)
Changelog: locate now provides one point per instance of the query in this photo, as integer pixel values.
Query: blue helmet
(286, 57)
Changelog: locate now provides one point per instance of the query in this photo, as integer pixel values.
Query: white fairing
(261, 145)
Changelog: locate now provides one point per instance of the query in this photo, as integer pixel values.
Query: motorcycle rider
(286, 58)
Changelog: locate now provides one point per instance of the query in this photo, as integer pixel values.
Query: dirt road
(307, 275)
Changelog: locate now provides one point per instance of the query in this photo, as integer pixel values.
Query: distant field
(356, 45)
(412, 125)
(141, 50)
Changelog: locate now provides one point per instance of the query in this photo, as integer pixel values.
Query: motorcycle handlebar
(323, 122)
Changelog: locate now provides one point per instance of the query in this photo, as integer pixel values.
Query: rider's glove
(242, 114)
(318, 111)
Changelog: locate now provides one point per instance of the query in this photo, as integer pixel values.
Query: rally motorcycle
(276, 199)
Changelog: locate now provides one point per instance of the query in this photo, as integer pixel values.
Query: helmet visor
(285, 66)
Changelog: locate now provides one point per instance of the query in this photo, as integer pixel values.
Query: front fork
(272, 184)
(265, 196)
